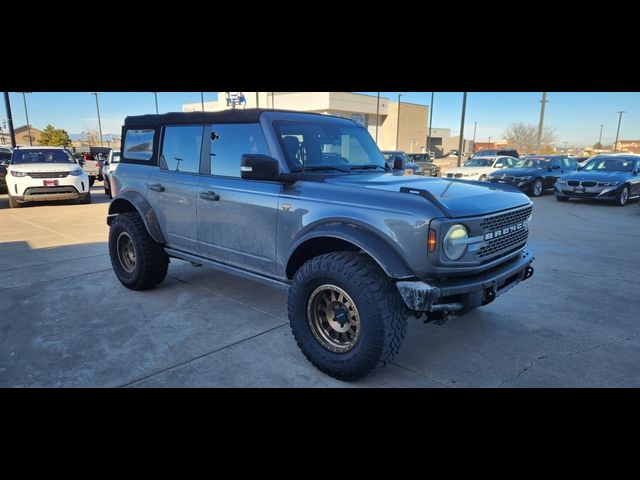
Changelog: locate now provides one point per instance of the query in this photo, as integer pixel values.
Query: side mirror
(259, 167)
(398, 164)
(499, 165)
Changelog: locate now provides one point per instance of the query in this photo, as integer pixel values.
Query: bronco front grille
(48, 174)
(503, 243)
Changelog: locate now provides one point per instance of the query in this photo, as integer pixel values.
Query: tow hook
(528, 272)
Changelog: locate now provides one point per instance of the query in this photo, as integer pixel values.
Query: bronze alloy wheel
(126, 252)
(333, 318)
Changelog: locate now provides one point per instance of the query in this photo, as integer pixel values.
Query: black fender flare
(123, 202)
(382, 253)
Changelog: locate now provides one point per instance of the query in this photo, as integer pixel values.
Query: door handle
(213, 196)
(156, 187)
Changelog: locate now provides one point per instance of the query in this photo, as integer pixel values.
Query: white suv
(480, 168)
(37, 174)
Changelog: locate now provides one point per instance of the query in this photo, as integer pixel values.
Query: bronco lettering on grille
(506, 230)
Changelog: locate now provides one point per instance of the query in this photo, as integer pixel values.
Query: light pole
(541, 125)
(99, 124)
(430, 120)
(257, 100)
(475, 126)
(26, 114)
(273, 100)
(7, 106)
(600, 139)
(201, 100)
(615, 145)
(398, 123)
(377, 116)
(461, 141)
(155, 94)
(489, 143)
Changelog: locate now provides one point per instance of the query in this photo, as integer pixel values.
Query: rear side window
(138, 145)
(5, 156)
(181, 147)
(230, 141)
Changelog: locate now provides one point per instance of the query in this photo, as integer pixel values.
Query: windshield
(115, 157)
(41, 156)
(534, 163)
(317, 146)
(479, 162)
(610, 164)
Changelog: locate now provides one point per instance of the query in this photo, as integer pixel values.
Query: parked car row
(613, 177)
(413, 163)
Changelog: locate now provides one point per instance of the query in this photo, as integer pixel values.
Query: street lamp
(398, 122)
(600, 139)
(202, 100)
(461, 141)
(7, 106)
(155, 94)
(26, 114)
(377, 116)
(430, 122)
(615, 145)
(541, 124)
(99, 123)
(489, 143)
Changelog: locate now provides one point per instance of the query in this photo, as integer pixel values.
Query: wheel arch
(338, 237)
(130, 201)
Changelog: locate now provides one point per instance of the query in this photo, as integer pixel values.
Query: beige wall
(22, 136)
(413, 128)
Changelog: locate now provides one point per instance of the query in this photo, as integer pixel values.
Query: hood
(463, 199)
(518, 172)
(44, 167)
(597, 176)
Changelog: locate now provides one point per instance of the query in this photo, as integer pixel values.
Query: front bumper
(28, 187)
(461, 295)
(597, 193)
(523, 185)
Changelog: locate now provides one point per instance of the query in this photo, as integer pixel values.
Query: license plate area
(50, 183)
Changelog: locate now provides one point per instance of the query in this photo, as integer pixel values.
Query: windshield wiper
(320, 167)
(369, 166)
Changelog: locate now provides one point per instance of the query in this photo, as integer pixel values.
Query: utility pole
(7, 106)
(26, 114)
(398, 123)
(273, 100)
(430, 120)
(201, 100)
(155, 94)
(461, 142)
(489, 143)
(615, 145)
(257, 100)
(377, 116)
(100, 124)
(600, 139)
(475, 126)
(541, 125)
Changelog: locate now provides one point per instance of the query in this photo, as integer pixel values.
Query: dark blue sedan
(604, 177)
(533, 175)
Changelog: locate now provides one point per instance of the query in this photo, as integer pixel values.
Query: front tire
(346, 315)
(92, 180)
(139, 262)
(536, 188)
(623, 197)
(13, 203)
(562, 198)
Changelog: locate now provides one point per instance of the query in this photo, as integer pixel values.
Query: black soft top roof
(248, 115)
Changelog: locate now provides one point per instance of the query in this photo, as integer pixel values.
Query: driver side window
(555, 164)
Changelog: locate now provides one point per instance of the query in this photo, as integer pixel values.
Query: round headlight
(454, 242)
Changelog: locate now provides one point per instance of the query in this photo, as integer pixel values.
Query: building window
(361, 118)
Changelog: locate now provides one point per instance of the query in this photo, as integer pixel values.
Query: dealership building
(402, 126)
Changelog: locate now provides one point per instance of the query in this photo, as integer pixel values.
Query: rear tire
(367, 302)
(139, 262)
(623, 197)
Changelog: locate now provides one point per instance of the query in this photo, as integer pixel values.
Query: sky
(575, 116)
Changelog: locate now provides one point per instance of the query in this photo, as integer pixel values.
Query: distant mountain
(105, 136)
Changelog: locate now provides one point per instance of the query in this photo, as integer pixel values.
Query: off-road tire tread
(367, 277)
(154, 261)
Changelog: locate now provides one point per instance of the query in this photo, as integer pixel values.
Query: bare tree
(90, 136)
(524, 137)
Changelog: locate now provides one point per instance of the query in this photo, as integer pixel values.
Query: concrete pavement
(65, 320)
